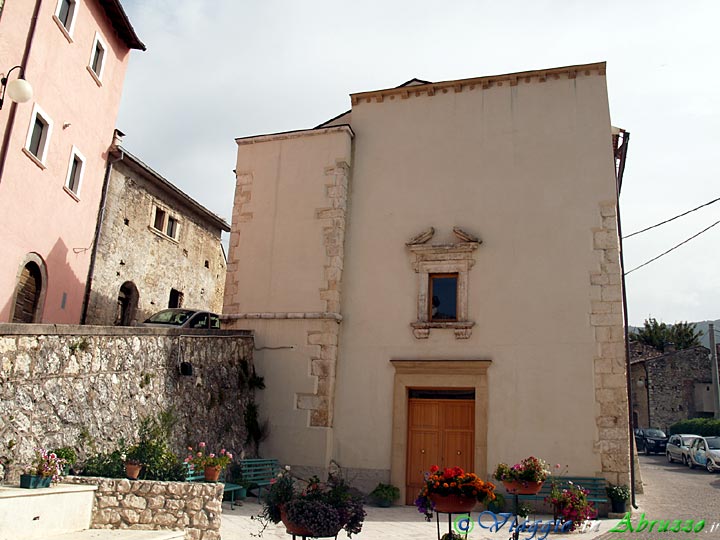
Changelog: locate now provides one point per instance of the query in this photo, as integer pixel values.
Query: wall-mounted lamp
(18, 90)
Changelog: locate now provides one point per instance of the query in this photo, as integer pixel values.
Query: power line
(672, 218)
(673, 248)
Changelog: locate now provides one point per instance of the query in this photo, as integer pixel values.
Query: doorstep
(119, 534)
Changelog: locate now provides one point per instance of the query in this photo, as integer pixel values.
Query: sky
(217, 70)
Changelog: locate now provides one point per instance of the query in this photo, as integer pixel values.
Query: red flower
(434, 469)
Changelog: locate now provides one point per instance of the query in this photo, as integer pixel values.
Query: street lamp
(18, 90)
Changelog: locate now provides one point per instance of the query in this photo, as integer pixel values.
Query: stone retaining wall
(195, 507)
(88, 386)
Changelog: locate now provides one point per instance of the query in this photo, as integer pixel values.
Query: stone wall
(195, 507)
(130, 249)
(88, 387)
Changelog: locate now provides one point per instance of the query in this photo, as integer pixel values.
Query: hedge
(697, 426)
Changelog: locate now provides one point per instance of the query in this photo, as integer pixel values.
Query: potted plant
(46, 467)
(313, 508)
(524, 478)
(452, 490)
(212, 464)
(133, 461)
(571, 505)
(69, 455)
(385, 494)
(618, 496)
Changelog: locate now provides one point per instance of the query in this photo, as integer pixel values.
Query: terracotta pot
(212, 473)
(452, 504)
(291, 527)
(132, 470)
(522, 488)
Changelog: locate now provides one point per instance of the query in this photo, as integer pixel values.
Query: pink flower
(229, 455)
(190, 449)
(201, 445)
(212, 455)
(199, 454)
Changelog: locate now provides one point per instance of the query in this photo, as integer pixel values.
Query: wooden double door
(440, 432)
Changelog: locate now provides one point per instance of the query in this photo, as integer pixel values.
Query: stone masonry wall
(195, 507)
(606, 317)
(87, 387)
(129, 249)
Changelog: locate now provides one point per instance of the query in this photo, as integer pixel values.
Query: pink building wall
(37, 215)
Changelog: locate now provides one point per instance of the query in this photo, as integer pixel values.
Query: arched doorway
(127, 304)
(30, 291)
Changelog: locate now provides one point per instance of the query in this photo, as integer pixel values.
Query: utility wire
(672, 218)
(673, 248)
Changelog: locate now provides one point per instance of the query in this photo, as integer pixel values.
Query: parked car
(705, 452)
(651, 440)
(677, 447)
(184, 318)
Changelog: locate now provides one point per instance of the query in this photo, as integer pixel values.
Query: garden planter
(452, 504)
(291, 527)
(522, 488)
(212, 473)
(618, 507)
(132, 470)
(32, 481)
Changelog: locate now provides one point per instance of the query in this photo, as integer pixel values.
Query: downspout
(13, 105)
(98, 225)
(628, 381)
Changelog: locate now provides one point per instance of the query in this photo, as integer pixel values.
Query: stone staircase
(61, 512)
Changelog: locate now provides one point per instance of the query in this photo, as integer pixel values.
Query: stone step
(118, 534)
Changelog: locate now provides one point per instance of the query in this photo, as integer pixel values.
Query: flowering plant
(528, 470)
(200, 458)
(46, 464)
(452, 481)
(570, 504)
(323, 508)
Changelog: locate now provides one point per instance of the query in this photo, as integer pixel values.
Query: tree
(659, 335)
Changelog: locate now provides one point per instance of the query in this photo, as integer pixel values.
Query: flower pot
(212, 473)
(132, 470)
(618, 507)
(32, 481)
(291, 527)
(522, 488)
(452, 504)
(383, 503)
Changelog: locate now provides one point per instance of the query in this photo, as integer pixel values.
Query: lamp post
(18, 90)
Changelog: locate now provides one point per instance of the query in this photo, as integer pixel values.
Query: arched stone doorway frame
(129, 311)
(36, 259)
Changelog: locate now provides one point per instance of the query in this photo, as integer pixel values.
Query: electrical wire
(672, 248)
(672, 218)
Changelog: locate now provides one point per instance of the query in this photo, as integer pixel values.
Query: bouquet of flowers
(452, 481)
(200, 458)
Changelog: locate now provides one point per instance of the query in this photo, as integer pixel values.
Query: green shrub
(110, 465)
(68, 454)
(706, 427)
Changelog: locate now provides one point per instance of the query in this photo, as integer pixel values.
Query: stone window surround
(67, 30)
(437, 374)
(442, 259)
(75, 153)
(168, 214)
(98, 42)
(37, 112)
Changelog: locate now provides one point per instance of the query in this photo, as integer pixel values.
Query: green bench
(595, 486)
(259, 473)
(199, 476)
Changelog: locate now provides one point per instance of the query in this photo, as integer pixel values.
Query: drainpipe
(631, 433)
(120, 154)
(13, 105)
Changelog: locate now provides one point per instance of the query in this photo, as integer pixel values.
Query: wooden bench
(595, 486)
(258, 473)
(199, 476)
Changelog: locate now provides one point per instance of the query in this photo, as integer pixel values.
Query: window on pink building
(97, 58)
(75, 172)
(38, 138)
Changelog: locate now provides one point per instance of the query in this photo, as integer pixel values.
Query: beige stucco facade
(515, 176)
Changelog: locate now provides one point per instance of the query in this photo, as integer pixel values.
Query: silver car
(184, 318)
(677, 447)
(705, 452)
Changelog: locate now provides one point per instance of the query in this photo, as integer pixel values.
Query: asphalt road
(674, 492)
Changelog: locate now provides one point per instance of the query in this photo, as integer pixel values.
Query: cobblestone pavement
(672, 492)
(398, 522)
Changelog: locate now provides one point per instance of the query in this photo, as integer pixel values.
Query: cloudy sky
(221, 69)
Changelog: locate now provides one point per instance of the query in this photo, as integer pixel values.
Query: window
(97, 59)
(165, 224)
(75, 171)
(176, 299)
(38, 135)
(443, 292)
(65, 16)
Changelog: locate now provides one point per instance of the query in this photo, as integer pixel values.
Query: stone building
(53, 148)
(433, 278)
(670, 387)
(156, 248)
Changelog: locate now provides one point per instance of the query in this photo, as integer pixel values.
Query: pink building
(54, 148)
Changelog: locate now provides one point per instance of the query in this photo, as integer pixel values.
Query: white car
(678, 446)
(705, 452)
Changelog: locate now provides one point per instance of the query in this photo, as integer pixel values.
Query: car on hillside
(184, 318)
(651, 440)
(705, 452)
(677, 447)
